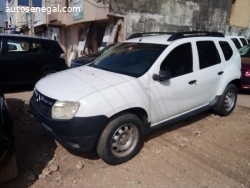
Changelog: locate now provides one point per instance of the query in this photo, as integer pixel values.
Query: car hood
(74, 84)
(245, 63)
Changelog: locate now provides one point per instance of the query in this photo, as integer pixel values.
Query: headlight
(64, 109)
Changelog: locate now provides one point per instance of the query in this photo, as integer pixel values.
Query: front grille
(42, 103)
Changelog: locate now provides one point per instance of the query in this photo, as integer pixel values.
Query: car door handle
(192, 82)
(220, 73)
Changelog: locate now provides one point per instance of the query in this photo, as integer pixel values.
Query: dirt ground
(204, 151)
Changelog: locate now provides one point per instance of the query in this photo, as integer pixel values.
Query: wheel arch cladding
(236, 82)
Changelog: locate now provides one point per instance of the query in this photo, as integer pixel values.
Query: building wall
(240, 16)
(92, 11)
(175, 15)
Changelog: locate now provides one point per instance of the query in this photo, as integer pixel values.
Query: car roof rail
(137, 35)
(178, 35)
(181, 35)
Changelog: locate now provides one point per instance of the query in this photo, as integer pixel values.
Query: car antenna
(140, 39)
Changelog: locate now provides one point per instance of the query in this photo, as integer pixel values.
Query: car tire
(121, 140)
(47, 73)
(227, 101)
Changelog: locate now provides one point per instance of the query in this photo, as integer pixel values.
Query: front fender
(112, 100)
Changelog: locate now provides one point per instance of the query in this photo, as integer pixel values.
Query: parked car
(25, 59)
(6, 133)
(245, 66)
(89, 58)
(239, 41)
(139, 85)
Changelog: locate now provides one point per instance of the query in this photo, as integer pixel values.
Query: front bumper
(245, 81)
(78, 133)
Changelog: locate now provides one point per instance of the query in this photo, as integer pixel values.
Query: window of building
(179, 61)
(226, 49)
(208, 54)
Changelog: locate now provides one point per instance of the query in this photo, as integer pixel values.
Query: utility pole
(31, 18)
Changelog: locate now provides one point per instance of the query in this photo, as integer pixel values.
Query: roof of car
(167, 38)
(24, 36)
(160, 39)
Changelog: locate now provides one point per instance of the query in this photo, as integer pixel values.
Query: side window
(236, 42)
(179, 61)
(227, 50)
(244, 42)
(21, 46)
(208, 54)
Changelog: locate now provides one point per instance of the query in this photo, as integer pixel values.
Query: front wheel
(227, 101)
(121, 140)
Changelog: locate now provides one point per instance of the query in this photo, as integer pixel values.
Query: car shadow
(92, 155)
(33, 148)
(244, 92)
(16, 89)
(177, 125)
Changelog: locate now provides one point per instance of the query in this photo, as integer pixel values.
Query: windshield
(132, 59)
(105, 49)
(244, 51)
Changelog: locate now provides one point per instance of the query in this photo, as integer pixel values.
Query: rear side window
(179, 61)
(236, 42)
(226, 49)
(244, 42)
(208, 54)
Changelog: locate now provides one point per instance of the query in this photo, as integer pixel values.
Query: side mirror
(163, 75)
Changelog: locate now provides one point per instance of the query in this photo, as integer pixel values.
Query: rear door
(211, 69)
(37, 60)
(14, 58)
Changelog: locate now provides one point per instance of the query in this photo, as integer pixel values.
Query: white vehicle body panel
(238, 38)
(131, 94)
(74, 84)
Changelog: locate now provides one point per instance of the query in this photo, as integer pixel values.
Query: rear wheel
(121, 140)
(227, 101)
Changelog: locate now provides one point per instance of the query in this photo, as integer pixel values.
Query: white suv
(239, 41)
(137, 86)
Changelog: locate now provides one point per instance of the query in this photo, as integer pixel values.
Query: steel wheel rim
(124, 140)
(229, 100)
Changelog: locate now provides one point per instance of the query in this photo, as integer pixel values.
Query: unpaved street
(204, 151)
